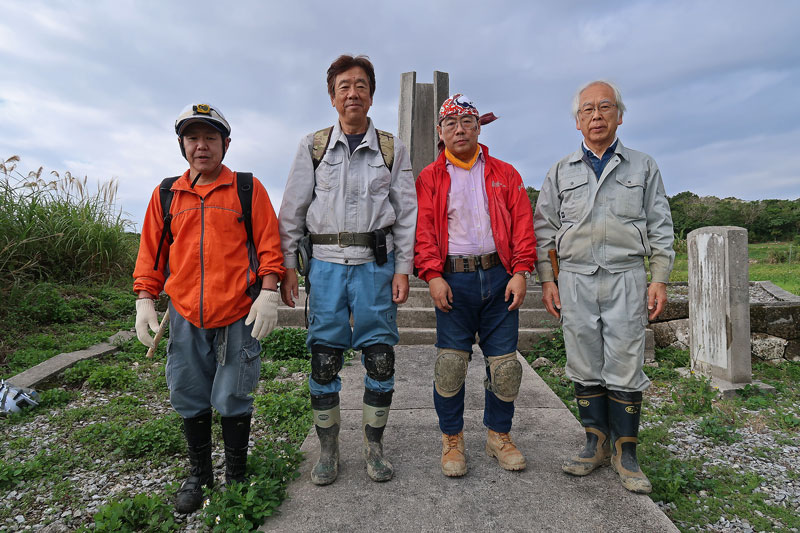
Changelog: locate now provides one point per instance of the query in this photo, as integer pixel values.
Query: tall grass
(52, 228)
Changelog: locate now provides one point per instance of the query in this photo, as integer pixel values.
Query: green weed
(695, 395)
(116, 377)
(140, 513)
(286, 414)
(719, 427)
(286, 343)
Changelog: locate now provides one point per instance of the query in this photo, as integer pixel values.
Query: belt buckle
(345, 239)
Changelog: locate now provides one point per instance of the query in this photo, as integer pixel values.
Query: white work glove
(146, 316)
(264, 312)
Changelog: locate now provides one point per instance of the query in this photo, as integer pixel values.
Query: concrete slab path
(421, 499)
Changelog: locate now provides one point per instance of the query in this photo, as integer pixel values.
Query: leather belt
(346, 238)
(471, 263)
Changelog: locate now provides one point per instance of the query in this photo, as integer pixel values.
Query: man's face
(460, 135)
(203, 146)
(351, 95)
(598, 116)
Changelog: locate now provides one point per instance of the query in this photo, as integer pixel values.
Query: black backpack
(244, 186)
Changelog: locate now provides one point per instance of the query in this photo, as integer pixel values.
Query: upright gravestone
(419, 105)
(719, 305)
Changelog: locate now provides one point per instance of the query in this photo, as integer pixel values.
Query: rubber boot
(454, 458)
(326, 421)
(593, 408)
(236, 434)
(198, 438)
(501, 446)
(375, 413)
(624, 410)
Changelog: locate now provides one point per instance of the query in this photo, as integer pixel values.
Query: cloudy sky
(93, 87)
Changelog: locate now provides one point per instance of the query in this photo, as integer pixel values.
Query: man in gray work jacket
(603, 209)
(351, 191)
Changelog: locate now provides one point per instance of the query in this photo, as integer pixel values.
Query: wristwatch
(525, 273)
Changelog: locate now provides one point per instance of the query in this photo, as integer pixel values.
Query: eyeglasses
(467, 122)
(605, 109)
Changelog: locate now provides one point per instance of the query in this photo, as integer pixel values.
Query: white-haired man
(603, 209)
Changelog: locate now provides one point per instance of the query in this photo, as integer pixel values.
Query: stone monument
(416, 120)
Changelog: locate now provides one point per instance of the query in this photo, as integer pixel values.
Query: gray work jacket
(613, 223)
(354, 193)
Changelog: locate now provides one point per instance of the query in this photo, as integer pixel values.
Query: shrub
(286, 343)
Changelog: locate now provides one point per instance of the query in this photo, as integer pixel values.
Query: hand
(400, 288)
(289, 289)
(517, 286)
(441, 294)
(146, 316)
(551, 299)
(264, 312)
(656, 299)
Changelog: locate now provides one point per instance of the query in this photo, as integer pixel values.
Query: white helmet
(12, 398)
(202, 113)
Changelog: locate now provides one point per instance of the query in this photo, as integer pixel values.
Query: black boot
(375, 413)
(593, 408)
(326, 422)
(236, 434)
(198, 437)
(624, 409)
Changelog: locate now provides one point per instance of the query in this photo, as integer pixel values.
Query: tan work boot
(454, 460)
(500, 445)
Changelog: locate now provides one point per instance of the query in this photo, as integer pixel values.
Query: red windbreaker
(509, 211)
(209, 265)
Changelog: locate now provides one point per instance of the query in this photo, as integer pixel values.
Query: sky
(94, 87)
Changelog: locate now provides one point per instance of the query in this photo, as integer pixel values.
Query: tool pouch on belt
(304, 255)
(379, 247)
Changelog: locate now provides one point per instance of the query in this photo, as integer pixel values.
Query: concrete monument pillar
(416, 117)
(719, 304)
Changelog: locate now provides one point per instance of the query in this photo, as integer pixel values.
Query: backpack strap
(386, 143)
(244, 186)
(165, 194)
(322, 139)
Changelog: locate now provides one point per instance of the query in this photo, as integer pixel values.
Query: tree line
(765, 220)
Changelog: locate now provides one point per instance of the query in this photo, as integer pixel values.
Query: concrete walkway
(421, 499)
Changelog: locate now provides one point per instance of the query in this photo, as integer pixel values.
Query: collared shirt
(599, 163)
(468, 224)
(350, 193)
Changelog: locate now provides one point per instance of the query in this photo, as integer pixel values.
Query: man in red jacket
(476, 250)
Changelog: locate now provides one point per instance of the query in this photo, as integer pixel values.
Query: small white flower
(206, 502)
(217, 519)
(240, 515)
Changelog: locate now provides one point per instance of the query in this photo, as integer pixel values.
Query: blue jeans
(197, 375)
(365, 291)
(478, 308)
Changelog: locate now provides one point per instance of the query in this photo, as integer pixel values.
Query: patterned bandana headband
(457, 105)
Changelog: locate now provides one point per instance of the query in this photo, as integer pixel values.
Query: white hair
(617, 96)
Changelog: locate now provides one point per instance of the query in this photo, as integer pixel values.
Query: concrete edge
(781, 294)
(46, 370)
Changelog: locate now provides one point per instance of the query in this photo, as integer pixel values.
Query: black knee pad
(326, 362)
(379, 361)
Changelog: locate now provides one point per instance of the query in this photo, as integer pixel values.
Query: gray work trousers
(604, 317)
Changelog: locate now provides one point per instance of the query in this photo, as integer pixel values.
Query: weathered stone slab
(767, 347)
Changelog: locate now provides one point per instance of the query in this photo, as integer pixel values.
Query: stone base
(726, 388)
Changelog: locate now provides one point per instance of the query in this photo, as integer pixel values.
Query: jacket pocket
(629, 196)
(380, 179)
(574, 193)
(328, 173)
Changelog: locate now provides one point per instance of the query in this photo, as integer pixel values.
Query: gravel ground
(744, 456)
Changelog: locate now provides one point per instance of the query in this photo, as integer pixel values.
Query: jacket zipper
(202, 263)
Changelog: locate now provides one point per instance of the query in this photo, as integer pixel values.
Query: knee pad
(450, 371)
(505, 376)
(379, 361)
(326, 362)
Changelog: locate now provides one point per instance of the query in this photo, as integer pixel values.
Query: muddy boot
(501, 446)
(624, 409)
(593, 408)
(375, 413)
(326, 421)
(198, 438)
(454, 457)
(236, 434)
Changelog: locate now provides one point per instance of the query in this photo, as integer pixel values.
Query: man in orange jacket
(475, 248)
(223, 295)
